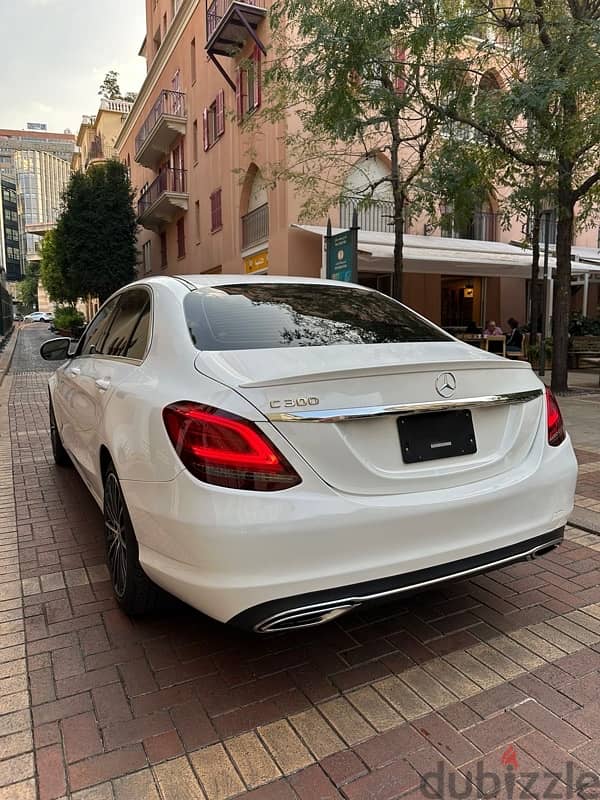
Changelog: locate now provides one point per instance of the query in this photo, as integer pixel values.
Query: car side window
(126, 338)
(95, 335)
(138, 341)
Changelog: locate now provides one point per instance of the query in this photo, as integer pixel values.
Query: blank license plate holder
(443, 434)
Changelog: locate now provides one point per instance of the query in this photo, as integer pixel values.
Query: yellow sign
(257, 262)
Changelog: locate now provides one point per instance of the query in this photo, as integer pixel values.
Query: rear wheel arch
(105, 462)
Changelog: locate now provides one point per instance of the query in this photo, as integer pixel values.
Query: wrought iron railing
(216, 10)
(255, 226)
(376, 215)
(169, 103)
(169, 180)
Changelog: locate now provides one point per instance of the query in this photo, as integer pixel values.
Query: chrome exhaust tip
(307, 617)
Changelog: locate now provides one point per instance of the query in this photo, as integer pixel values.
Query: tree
(345, 77)
(95, 241)
(110, 89)
(53, 279)
(28, 287)
(548, 56)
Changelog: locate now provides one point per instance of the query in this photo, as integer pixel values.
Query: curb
(588, 521)
(7, 355)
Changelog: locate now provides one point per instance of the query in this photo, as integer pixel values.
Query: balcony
(378, 215)
(229, 23)
(163, 200)
(255, 227)
(165, 123)
(99, 152)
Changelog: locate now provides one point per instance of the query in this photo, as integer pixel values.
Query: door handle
(103, 384)
(74, 371)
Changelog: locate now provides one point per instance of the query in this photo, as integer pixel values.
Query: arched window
(255, 203)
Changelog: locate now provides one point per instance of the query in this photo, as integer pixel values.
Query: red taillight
(226, 450)
(556, 428)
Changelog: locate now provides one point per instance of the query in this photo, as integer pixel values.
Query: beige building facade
(97, 135)
(205, 207)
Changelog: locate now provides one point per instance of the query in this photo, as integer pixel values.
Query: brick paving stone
(16, 769)
(497, 730)
(51, 772)
(252, 760)
(491, 701)
(451, 678)
(343, 767)
(217, 774)
(556, 729)
(317, 734)
(139, 786)
(374, 708)
(349, 724)
(15, 744)
(285, 746)
(429, 689)
(24, 790)
(103, 791)
(446, 739)
(163, 746)
(386, 783)
(402, 698)
(313, 783)
(106, 766)
(474, 670)
(81, 737)
(389, 746)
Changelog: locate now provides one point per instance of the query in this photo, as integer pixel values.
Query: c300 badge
(296, 402)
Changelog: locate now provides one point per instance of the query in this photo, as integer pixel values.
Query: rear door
(113, 358)
(122, 353)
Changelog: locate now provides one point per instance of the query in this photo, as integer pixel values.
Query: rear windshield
(268, 315)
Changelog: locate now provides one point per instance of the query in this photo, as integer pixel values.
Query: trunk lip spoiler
(368, 412)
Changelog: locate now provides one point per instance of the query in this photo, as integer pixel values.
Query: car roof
(204, 281)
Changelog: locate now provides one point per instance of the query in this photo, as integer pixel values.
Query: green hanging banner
(342, 253)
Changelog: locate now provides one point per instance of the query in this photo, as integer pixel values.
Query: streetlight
(542, 359)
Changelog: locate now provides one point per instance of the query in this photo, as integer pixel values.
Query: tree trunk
(562, 282)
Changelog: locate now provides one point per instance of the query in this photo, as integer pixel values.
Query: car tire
(135, 592)
(61, 457)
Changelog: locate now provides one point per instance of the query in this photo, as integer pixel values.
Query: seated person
(491, 329)
(514, 340)
(472, 328)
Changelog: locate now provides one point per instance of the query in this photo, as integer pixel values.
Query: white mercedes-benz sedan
(278, 451)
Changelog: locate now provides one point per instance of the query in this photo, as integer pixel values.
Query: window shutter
(257, 77)
(239, 97)
(399, 75)
(220, 113)
(205, 129)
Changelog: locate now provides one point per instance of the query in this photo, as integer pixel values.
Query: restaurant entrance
(462, 301)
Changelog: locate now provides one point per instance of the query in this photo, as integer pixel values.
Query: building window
(197, 220)
(193, 59)
(216, 212)
(213, 119)
(147, 257)
(163, 250)
(195, 141)
(181, 238)
(248, 85)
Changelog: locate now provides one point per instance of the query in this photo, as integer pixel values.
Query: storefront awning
(438, 255)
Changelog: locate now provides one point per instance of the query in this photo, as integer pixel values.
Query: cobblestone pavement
(498, 674)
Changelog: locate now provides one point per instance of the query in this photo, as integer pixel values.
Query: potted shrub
(68, 321)
(533, 353)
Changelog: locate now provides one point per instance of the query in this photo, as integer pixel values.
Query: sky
(55, 54)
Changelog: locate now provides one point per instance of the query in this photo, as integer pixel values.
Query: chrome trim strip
(366, 412)
(345, 604)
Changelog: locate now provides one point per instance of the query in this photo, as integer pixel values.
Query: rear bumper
(225, 552)
(315, 608)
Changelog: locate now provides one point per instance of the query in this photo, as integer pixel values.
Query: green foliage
(95, 239)
(110, 89)
(54, 281)
(584, 326)
(28, 288)
(66, 318)
(533, 354)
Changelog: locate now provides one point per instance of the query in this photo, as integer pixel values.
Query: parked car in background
(39, 316)
(17, 317)
(279, 451)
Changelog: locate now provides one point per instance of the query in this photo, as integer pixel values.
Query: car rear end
(377, 456)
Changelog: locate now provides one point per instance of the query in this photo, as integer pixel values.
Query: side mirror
(56, 349)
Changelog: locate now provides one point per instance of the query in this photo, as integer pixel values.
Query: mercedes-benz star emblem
(445, 384)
